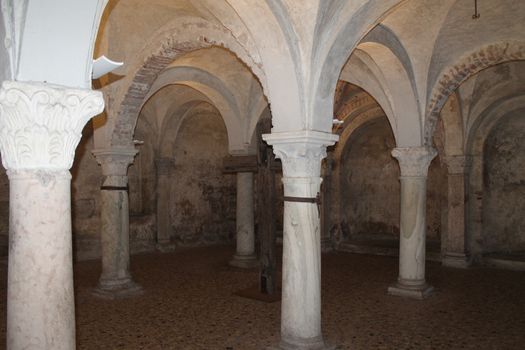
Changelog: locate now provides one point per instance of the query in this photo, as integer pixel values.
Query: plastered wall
(504, 186)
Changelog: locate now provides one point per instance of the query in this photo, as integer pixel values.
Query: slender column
(115, 280)
(474, 210)
(301, 154)
(164, 166)
(245, 256)
(40, 127)
(454, 252)
(413, 162)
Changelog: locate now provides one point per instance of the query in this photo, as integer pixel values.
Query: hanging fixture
(476, 14)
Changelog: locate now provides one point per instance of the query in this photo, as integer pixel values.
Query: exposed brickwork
(468, 66)
(173, 45)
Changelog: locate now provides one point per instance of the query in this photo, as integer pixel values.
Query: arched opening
(481, 124)
(366, 191)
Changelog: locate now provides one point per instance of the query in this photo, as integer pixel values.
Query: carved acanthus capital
(414, 161)
(301, 152)
(115, 161)
(41, 124)
(457, 165)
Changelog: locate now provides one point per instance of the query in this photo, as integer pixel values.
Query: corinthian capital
(301, 152)
(115, 161)
(414, 161)
(41, 124)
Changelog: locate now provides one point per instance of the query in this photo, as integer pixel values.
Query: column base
(419, 292)
(303, 344)
(456, 260)
(244, 261)
(165, 247)
(112, 291)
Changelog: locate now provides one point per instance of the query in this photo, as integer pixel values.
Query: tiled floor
(189, 304)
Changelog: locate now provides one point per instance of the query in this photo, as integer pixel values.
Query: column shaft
(163, 205)
(245, 254)
(301, 289)
(40, 307)
(454, 252)
(114, 238)
(412, 252)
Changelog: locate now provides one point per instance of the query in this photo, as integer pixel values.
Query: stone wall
(202, 207)
(369, 186)
(504, 186)
(85, 199)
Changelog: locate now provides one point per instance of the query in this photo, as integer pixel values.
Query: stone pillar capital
(457, 165)
(301, 152)
(414, 161)
(164, 165)
(41, 124)
(115, 161)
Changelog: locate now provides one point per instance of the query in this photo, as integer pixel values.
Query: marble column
(245, 255)
(164, 166)
(413, 163)
(454, 250)
(301, 154)
(115, 280)
(40, 128)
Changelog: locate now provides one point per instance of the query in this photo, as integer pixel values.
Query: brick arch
(167, 46)
(468, 65)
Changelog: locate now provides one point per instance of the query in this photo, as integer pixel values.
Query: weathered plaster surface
(202, 198)
(504, 186)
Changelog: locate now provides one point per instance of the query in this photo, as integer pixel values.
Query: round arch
(171, 42)
(470, 64)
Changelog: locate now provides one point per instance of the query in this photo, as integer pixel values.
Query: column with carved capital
(40, 128)
(164, 166)
(454, 251)
(115, 280)
(301, 154)
(413, 163)
(245, 254)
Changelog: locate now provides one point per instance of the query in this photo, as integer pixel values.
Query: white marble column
(40, 127)
(453, 243)
(115, 280)
(413, 163)
(164, 166)
(301, 154)
(245, 255)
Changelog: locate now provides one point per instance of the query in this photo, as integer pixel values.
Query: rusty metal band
(114, 188)
(314, 200)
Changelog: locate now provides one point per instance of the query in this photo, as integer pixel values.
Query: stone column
(413, 163)
(40, 128)
(454, 251)
(301, 154)
(245, 256)
(474, 209)
(115, 280)
(164, 166)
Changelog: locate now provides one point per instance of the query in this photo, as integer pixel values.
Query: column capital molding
(301, 152)
(414, 161)
(457, 165)
(41, 124)
(115, 161)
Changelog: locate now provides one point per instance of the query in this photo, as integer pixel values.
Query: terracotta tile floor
(188, 304)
